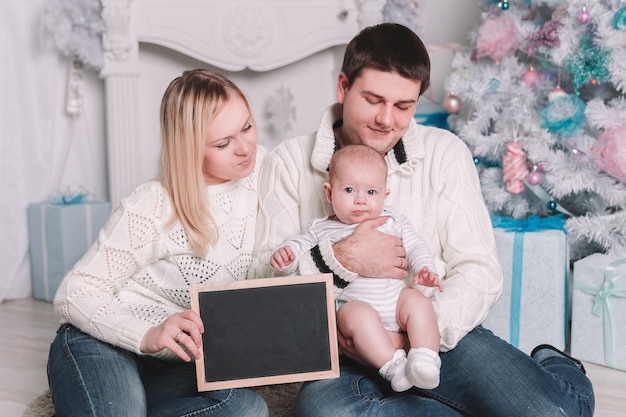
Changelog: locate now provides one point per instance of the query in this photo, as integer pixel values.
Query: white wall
(443, 25)
(303, 79)
(34, 133)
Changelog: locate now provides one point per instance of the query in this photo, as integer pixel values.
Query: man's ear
(342, 87)
(328, 191)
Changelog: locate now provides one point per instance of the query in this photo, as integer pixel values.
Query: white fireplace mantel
(258, 35)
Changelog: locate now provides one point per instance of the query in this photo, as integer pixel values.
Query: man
(433, 181)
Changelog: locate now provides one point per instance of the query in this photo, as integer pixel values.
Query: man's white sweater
(433, 181)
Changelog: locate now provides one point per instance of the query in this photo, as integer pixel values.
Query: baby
(369, 307)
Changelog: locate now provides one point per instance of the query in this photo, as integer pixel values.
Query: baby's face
(357, 193)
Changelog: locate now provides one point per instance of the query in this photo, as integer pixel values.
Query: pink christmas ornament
(452, 104)
(609, 153)
(497, 37)
(531, 77)
(583, 16)
(534, 178)
(514, 169)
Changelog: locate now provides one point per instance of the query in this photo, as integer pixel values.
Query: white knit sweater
(433, 181)
(138, 272)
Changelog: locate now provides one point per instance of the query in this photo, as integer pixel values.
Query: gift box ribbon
(613, 285)
(519, 227)
(73, 195)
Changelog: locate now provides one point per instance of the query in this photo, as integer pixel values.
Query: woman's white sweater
(138, 272)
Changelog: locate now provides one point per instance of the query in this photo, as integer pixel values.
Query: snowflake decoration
(589, 62)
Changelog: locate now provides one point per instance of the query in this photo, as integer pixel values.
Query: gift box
(533, 307)
(599, 309)
(429, 114)
(59, 236)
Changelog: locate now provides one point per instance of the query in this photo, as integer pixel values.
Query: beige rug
(281, 400)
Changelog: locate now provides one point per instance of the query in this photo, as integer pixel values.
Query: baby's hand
(427, 278)
(281, 258)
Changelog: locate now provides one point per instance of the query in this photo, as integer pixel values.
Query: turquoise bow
(74, 195)
(614, 285)
(531, 224)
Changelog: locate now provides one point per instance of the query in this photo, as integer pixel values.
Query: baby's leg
(359, 321)
(417, 317)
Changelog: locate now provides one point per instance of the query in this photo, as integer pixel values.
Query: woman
(128, 338)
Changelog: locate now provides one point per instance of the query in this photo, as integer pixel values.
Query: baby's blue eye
(371, 192)
(349, 190)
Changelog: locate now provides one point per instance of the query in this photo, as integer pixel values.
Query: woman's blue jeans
(483, 376)
(90, 378)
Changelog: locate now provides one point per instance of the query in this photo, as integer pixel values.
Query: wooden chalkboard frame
(272, 300)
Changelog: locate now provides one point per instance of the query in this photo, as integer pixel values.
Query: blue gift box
(534, 306)
(429, 114)
(59, 236)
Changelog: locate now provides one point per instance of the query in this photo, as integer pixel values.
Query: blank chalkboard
(266, 331)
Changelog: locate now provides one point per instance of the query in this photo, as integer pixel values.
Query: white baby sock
(423, 367)
(394, 371)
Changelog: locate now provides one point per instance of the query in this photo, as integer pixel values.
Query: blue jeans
(483, 376)
(88, 377)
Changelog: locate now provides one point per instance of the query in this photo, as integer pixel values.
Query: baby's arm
(418, 255)
(286, 259)
(427, 278)
(282, 257)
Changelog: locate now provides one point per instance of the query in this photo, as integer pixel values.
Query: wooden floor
(28, 326)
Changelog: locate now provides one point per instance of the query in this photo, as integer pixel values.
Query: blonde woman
(128, 337)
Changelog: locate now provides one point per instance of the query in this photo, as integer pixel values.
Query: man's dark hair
(388, 47)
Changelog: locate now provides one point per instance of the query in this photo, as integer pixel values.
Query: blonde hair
(356, 154)
(189, 105)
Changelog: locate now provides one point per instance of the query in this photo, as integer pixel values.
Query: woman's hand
(181, 329)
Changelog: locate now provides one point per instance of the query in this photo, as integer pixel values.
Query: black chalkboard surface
(266, 331)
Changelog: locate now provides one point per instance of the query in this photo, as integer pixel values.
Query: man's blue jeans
(90, 378)
(483, 376)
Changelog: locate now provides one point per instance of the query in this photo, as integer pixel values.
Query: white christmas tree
(541, 101)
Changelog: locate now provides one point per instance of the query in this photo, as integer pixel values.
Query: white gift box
(533, 307)
(599, 310)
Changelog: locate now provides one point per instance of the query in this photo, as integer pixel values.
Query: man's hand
(372, 253)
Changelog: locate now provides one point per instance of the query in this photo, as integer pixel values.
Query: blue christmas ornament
(588, 63)
(619, 19)
(564, 115)
(492, 86)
